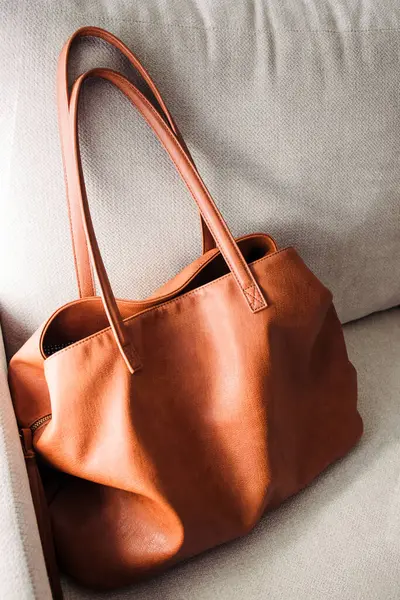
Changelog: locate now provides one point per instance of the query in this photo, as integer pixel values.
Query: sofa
(292, 113)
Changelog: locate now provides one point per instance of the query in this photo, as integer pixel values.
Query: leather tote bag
(167, 426)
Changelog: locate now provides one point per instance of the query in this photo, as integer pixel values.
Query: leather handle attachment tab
(211, 215)
(86, 285)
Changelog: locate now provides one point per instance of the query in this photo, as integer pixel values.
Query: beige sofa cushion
(291, 110)
(22, 570)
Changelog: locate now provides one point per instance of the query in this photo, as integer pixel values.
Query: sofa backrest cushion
(291, 111)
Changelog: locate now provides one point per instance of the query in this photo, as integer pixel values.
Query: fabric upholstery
(291, 110)
(22, 571)
(339, 539)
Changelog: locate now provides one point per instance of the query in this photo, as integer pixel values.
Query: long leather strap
(86, 285)
(222, 236)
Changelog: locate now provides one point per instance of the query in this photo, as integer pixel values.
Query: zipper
(36, 424)
(26, 435)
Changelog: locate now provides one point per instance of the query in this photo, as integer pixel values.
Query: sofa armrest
(22, 569)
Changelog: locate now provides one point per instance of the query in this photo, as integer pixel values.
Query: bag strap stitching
(194, 292)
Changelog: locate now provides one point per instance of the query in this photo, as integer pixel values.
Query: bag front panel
(186, 435)
(232, 412)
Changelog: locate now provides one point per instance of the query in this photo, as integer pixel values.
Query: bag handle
(211, 215)
(86, 285)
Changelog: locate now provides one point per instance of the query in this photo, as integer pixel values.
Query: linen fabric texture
(291, 112)
(315, 90)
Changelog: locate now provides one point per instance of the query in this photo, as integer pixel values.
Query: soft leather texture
(175, 428)
(338, 539)
(300, 126)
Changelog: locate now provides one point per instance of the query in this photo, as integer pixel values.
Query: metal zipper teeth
(39, 423)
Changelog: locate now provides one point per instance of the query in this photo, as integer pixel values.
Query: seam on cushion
(261, 30)
(158, 307)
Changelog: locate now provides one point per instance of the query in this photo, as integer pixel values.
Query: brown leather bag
(167, 426)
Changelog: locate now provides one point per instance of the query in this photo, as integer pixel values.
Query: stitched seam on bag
(164, 297)
(158, 307)
(252, 297)
(185, 158)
